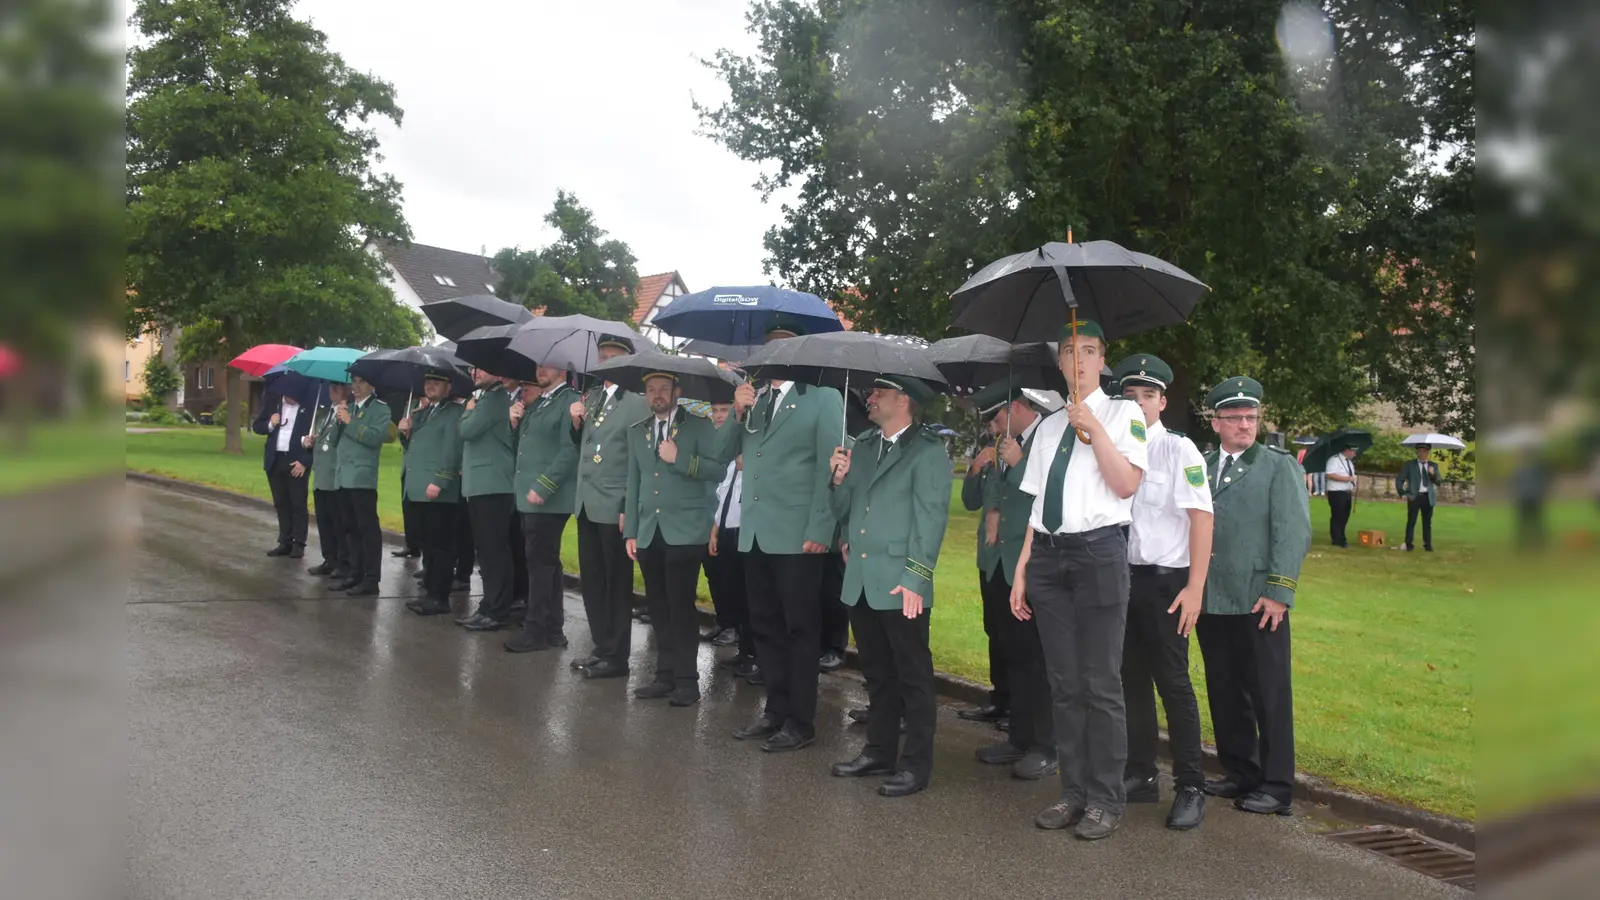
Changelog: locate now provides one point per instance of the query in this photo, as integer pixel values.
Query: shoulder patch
(1136, 427)
(1195, 475)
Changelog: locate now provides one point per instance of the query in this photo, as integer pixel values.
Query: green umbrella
(325, 363)
(1317, 457)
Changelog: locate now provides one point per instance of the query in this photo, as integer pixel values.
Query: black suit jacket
(302, 427)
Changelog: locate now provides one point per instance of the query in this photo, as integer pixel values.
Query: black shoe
(462, 620)
(605, 668)
(764, 727)
(859, 715)
(484, 623)
(732, 662)
(559, 640)
(365, 589)
(280, 550)
(1263, 804)
(526, 643)
(901, 784)
(1188, 809)
(519, 609)
(1003, 725)
(640, 614)
(1097, 824)
(460, 584)
(323, 569)
(429, 607)
(986, 713)
(1142, 790)
(687, 695)
(346, 584)
(830, 661)
(340, 573)
(1428, 549)
(1226, 788)
(655, 690)
(727, 637)
(785, 740)
(860, 767)
(754, 675)
(583, 662)
(298, 551)
(1058, 815)
(1000, 754)
(1035, 765)
(402, 554)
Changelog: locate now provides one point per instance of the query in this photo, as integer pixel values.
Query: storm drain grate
(1451, 865)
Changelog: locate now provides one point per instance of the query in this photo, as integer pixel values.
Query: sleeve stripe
(547, 483)
(919, 570)
(1282, 581)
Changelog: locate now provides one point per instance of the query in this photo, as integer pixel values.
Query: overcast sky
(507, 100)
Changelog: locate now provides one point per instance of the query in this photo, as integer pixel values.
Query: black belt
(1076, 539)
(1159, 570)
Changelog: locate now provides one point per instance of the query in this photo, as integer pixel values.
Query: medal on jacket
(597, 454)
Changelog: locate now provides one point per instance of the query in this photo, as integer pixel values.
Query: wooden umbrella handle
(1072, 383)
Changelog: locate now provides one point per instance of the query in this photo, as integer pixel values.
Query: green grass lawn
(1384, 645)
(57, 453)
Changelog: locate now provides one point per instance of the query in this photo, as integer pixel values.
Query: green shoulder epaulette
(1278, 449)
(865, 435)
(642, 421)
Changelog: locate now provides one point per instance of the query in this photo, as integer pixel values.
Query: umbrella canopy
(1434, 440)
(1316, 459)
(325, 363)
(567, 342)
(734, 353)
(403, 370)
(977, 360)
(258, 359)
(842, 358)
(740, 316)
(1027, 297)
(10, 361)
(699, 379)
(455, 317)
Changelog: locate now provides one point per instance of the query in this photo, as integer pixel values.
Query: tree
(161, 380)
(579, 272)
(929, 137)
(251, 186)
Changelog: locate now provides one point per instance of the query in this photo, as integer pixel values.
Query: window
(211, 376)
(444, 280)
(488, 287)
(127, 371)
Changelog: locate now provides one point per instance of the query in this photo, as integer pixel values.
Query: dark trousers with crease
(894, 652)
(996, 594)
(1033, 724)
(1155, 655)
(1252, 704)
(465, 557)
(289, 500)
(1078, 589)
(606, 574)
(835, 614)
(729, 593)
(542, 547)
(1414, 508)
(519, 558)
(671, 573)
(330, 529)
(1339, 506)
(784, 590)
(491, 536)
(411, 519)
(437, 525)
(366, 541)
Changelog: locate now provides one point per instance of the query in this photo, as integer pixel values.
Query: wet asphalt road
(289, 743)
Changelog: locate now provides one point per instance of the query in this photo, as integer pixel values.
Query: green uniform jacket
(894, 513)
(1263, 530)
(488, 460)
(784, 501)
(434, 453)
(978, 495)
(325, 462)
(603, 452)
(358, 443)
(676, 500)
(1410, 478)
(547, 460)
(1003, 491)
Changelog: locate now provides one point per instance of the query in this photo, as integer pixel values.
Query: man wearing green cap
(432, 469)
(786, 435)
(1072, 577)
(672, 477)
(1169, 552)
(361, 430)
(600, 420)
(1263, 530)
(893, 502)
(488, 463)
(545, 486)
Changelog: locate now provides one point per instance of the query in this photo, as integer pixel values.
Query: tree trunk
(233, 387)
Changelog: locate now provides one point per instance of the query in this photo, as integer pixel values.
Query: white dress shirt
(732, 481)
(1338, 465)
(287, 412)
(1169, 489)
(1087, 502)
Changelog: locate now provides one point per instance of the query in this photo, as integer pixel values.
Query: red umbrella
(258, 359)
(10, 362)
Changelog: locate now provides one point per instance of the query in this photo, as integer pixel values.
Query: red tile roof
(651, 287)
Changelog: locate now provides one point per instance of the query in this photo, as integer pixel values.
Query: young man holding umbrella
(361, 432)
(332, 530)
(1418, 483)
(545, 487)
(432, 465)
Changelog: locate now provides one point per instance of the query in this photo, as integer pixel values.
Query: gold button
(658, 511)
(658, 492)
(863, 531)
(863, 556)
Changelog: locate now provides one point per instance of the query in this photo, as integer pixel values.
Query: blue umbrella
(740, 316)
(324, 363)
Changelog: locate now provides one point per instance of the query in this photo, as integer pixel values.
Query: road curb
(1340, 801)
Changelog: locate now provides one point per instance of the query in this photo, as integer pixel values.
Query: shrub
(219, 416)
(160, 415)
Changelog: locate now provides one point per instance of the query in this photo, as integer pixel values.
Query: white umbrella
(1436, 441)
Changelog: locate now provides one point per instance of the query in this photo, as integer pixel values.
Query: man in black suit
(1418, 482)
(286, 421)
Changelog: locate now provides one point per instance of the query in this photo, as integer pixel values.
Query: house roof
(439, 274)
(650, 290)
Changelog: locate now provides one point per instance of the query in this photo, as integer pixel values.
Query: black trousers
(289, 499)
(541, 534)
(1033, 724)
(330, 529)
(1154, 654)
(729, 594)
(491, 532)
(437, 523)
(1414, 508)
(894, 650)
(411, 518)
(1078, 589)
(996, 594)
(606, 573)
(671, 572)
(465, 557)
(1339, 504)
(784, 590)
(366, 542)
(1252, 707)
(835, 614)
(519, 557)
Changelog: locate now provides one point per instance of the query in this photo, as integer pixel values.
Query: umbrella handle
(1072, 339)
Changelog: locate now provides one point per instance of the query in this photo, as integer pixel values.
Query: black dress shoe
(655, 690)
(752, 674)
(785, 740)
(298, 551)
(460, 584)
(1035, 766)
(346, 584)
(526, 643)
(687, 695)
(605, 668)
(484, 623)
(323, 569)
(1003, 725)
(582, 662)
(559, 640)
(1226, 788)
(764, 727)
(280, 550)
(859, 715)
(1000, 754)
(402, 554)
(339, 573)
(986, 713)
(902, 784)
(1142, 790)
(727, 637)
(830, 661)
(860, 767)
(1188, 809)
(1264, 804)
(365, 589)
(430, 607)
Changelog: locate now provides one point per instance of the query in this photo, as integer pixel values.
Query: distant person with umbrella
(488, 466)
(1418, 483)
(545, 486)
(363, 429)
(1341, 472)
(432, 482)
(285, 458)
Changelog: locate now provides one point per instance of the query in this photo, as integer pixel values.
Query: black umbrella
(569, 342)
(455, 317)
(838, 359)
(699, 379)
(392, 372)
(727, 352)
(977, 360)
(485, 348)
(1316, 459)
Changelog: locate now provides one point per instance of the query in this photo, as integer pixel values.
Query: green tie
(1055, 482)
